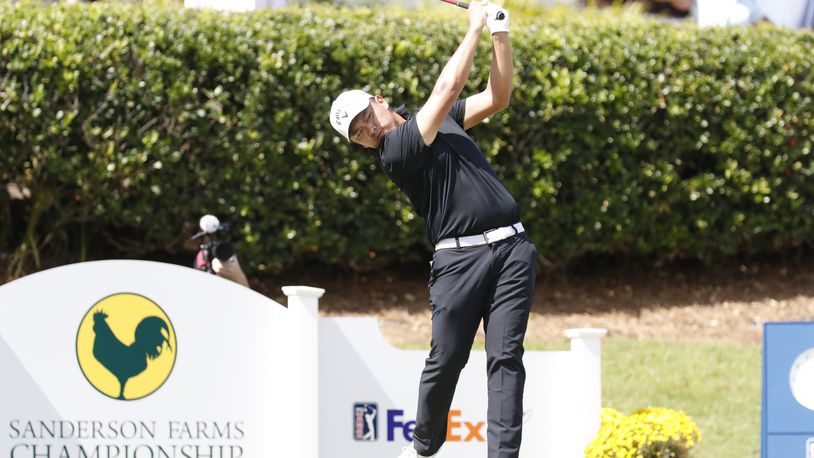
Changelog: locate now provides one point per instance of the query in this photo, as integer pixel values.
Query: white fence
(243, 376)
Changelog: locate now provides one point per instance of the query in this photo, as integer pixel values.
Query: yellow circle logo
(126, 346)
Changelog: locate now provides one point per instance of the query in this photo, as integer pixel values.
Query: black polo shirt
(449, 183)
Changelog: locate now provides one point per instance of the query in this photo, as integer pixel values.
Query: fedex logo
(458, 430)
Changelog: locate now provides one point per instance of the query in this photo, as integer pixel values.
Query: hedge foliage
(121, 125)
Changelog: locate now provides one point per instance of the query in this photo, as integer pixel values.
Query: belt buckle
(486, 235)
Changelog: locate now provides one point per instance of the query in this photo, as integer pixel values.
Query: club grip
(457, 3)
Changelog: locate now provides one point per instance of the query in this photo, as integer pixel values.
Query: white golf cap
(346, 107)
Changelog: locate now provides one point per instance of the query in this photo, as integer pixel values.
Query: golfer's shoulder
(403, 136)
(403, 148)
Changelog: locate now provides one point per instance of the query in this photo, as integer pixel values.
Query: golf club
(457, 3)
(465, 5)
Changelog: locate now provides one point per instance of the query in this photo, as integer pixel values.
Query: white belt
(487, 238)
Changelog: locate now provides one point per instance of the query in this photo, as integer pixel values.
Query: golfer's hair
(402, 111)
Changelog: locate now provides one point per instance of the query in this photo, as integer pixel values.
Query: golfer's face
(369, 127)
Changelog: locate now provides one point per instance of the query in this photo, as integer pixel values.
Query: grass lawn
(716, 384)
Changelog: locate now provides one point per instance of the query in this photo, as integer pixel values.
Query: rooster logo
(126, 346)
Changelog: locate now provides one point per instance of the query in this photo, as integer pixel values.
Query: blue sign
(788, 390)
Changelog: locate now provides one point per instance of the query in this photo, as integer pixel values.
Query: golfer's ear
(381, 101)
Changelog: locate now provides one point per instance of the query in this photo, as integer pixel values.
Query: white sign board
(223, 394)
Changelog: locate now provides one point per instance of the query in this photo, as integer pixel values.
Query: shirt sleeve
(403, 150)
(458, 111)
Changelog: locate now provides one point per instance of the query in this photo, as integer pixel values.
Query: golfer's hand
(477, 15)
(497, 18)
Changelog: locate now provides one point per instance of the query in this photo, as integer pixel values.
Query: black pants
(490, 282)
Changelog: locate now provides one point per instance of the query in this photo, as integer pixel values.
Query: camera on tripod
(212, 247)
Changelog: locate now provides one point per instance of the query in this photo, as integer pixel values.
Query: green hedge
(121, 125)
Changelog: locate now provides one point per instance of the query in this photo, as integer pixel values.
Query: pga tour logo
(810, 448)
(365, 422)
(366, 425)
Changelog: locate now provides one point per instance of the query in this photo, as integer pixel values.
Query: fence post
(586, 347)
(303, 307)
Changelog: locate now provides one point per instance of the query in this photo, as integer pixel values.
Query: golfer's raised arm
(499, 88)
(453, 78)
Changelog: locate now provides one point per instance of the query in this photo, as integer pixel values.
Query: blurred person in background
(676, 9)
(722, 13)
(216, 255)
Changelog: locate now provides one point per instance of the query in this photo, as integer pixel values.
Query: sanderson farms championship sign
(131, 359)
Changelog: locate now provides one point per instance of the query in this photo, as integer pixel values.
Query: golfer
(484, 266)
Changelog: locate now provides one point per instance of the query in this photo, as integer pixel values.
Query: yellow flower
(648, 433)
